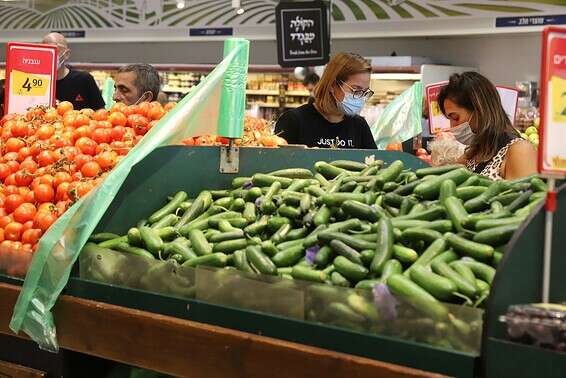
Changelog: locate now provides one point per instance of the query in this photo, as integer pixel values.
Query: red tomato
(45, 158)
(117, 119)
(421, 151)
(13, 231)
(100, 115)
(4, 171)
(44, 193)
(25, 212)
(14, 145)
(156, 112)
(31, 236)
(102, 136)
(86, 145)
(61, 177)
(4, 220)
(12, 202)
(90, 169)
(43, 220)
(63, 107)
(23, 178)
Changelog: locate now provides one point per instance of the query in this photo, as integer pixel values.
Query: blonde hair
(338, 70)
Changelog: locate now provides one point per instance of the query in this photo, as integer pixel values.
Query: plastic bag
(401, 119)
(59, 248)
(445, 149)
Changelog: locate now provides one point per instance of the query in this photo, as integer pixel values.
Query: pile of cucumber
(431, 235)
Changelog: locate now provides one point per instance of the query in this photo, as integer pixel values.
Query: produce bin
(174, 168)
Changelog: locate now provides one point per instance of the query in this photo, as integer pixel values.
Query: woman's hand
(520, 161)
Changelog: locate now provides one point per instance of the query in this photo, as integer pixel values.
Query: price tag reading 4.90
(26, 84)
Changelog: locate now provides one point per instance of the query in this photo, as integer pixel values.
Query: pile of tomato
(51, 157)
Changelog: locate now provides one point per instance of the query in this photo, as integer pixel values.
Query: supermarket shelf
(175, 90)
(229, 353)
(261, 92)
(297, 93)
(396, 76)
(265, 104)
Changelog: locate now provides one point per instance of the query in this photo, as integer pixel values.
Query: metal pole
(547, 244)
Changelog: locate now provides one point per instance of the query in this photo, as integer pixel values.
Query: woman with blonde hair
(332, 120)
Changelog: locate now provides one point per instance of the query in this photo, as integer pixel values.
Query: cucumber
(111, 244)
(327, 236)
(404, 255)
(481, 202)
(465, 287)
(336, 199)
(125, 247)
(433, 250)
(390, 268)
(360, 210)
(406, 205)
(182, 249)
(217, 194)
(385, 175)
(440, 287)
(151, 240)
(260, 261)
(468, 192)
(482, 286)
(229, 235)
(481, 270)
(308, 274)
(446, 257)
(348, 187)
(199, 206)
(339, 280)
(442, 225)
(230, 246)
(293, 173)
(300, 185)
(367, 256)
(238, 182)
(218, 260)
(470, 248)
(433, 213)
(261, 180)
(253, 194)
(464, 271)
(225, 226)
(456, 212)
(235, 222)
(322, 216)
(134, 236)
(416, 234)
(538, 185)
(200, 245)
(349, 165)
(407, 189)
(520, 201)
(238, 205)
(256, 228)
(166, 221)
(168, 209)
(506, 198)
(496, 236)
(279, 235)
(289, 256)
(102, 236)
(352, 271)
(368, 284)
(321, 180)
(392, 199)
(472, 221)
(416, 296)
(224, 202)
(327, 170)
(429, 189)
(422, 172)
(274, 223)
(390, 186)
(296, 234)
(289, 212)
(267, 206)
(384, 246)
(315, 191)
(343, 249)
(323, 256)
(269, 248)
(473, 180)
(241, 261)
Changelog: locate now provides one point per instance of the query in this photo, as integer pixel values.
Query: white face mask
(61, 60)
(463, 133)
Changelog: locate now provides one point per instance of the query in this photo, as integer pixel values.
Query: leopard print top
(493, 168)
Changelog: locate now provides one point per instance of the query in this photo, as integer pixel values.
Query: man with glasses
(77, 87)
(332, 120)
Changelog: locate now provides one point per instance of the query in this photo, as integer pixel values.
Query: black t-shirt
(79, 88)
(305, 125)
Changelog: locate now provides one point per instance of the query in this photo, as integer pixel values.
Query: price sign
(552, 150)
(30, 76)
(436, 120)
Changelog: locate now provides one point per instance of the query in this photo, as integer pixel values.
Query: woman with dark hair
(477, 119)
(333, 120)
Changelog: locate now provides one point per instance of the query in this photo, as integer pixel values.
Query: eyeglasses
(360, 93)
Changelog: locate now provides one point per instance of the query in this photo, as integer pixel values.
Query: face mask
(463, 133)
(60, 60)
(350, 105)
(140, 99)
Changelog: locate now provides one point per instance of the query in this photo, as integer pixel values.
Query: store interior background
(504, 58)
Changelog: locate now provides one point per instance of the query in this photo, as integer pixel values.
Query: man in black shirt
(77, 87)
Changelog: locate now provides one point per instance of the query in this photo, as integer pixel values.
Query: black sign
(210, 32)
(302, 33)
(71, 33)
(502, 22)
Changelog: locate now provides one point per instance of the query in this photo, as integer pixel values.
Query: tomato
(143, 108)
(25, 212)
(69, 120)
(14, 144)
(421, 151)
(23, 178)
(129, 110)
(62, 193)
(12, 202)
(100, 115)
(107, 159)
(117, 107)
(27, 225)
(189, 142)
(61, 177)
(63, 107)
(117, 119)
(394, 147)
(156, 112)
(13, 165)
(62, 206)
(45, 158)
(45, 132)
(4, 171)
(83, 188)
(102, 136)
(83, 131)
(90, 169)
(82, 159)
(10, 180)
(44, 193)
(13, 231)
(170, 105)
(29, 197)
(31, 236)
(11, 189)
(87, 112)
(29, 166)
(118, 133)
(86, 145)
(1, 240)
(47, 206)
(4, 220)
(139, 123)
(44, 219)
(120, 147)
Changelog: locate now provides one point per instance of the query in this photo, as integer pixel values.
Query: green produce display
(344, 226)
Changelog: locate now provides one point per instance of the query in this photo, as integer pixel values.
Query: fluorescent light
(180, 4)
(240, 11)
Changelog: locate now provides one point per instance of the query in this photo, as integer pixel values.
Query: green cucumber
(308, 274)
(327, 236)
(496, 236)
(289, 256)
(229, 235)
(336, 199)
(261, 180)
(241, 261)
(416, 234)
(323, 256)
(349, 165)
(261, 262)
(481, 270)
(230, 246)
(275, 223)
(456, 212)
(125, 247)
(289, 212)
(442, 225)
(343, 249)
(481, 202)
(433, 213)
(168, 209)
(200, 245)
(465, 287)
(322, 216)
(218, 260)
(280, 234)
(256, 228)
(404, 255)
(296, 234)
(385, 175)
(520, 201)
(238, 182)
(327, 170)
(352, 271)
(134, 236)
(293, 173)
(429, 189)
(339, 280)
(177, 247)
(267, 206)
(464, 271)
(433, 250)
(447, 189)
(199, 206)
(446, 257)
(538, 185)
(468, 192)
(384, 245)
(392, 199)
(360, 210)
(470, 248)
(253, 194)
(102, 236)
(435, 171)
(151, 239)
(416, 296)
(438, 286)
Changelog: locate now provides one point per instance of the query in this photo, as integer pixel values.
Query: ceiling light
(180, 4)
(240, 11)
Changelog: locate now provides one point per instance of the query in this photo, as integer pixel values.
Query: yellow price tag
(25, 84)
(435, 109)
(558, 99)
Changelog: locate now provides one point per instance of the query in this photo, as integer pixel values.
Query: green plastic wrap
(59, 247)
(401, 119)
(108, 93)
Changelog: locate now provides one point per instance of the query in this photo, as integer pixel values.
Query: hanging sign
(30, 76)
(436, 120)
(552, 149)
(302, 33)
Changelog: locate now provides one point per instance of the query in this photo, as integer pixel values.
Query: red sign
(30, 76)
(436, 120)
(552, 147)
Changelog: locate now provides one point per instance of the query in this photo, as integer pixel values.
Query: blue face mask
(351, 106)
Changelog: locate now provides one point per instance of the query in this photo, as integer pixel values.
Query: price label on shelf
(30, 76)
(436, 120)
(552, 148)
